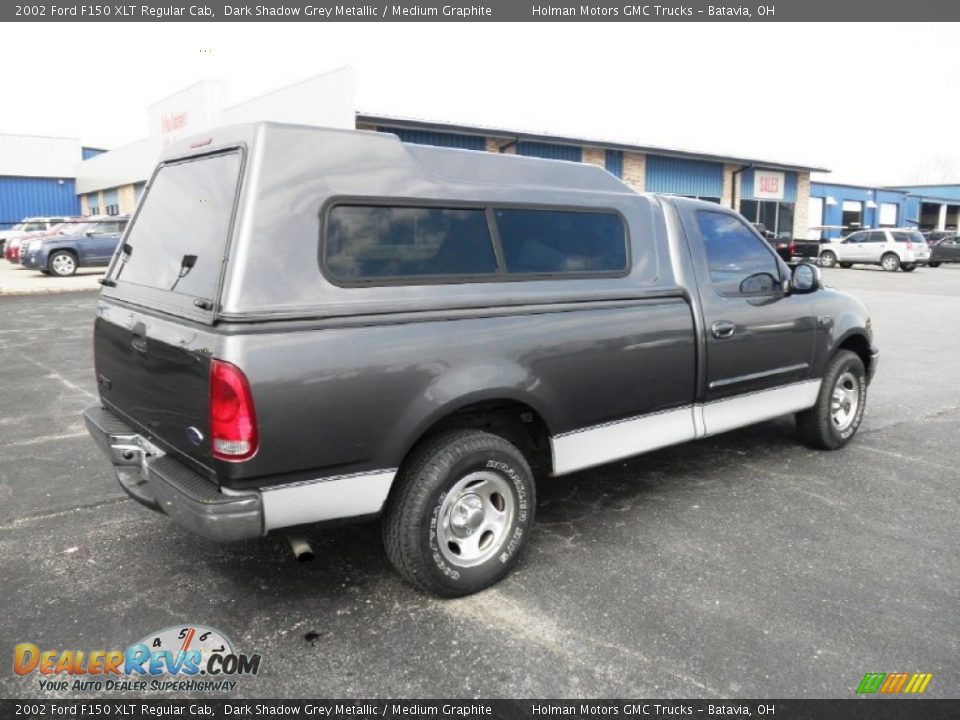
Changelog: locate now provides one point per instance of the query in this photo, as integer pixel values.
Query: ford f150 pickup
(304, 325)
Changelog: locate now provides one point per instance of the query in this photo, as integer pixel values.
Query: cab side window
(740, 262)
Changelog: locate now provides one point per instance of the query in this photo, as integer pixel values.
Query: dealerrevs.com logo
(191, 658)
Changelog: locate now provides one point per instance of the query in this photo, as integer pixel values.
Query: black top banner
(485, 11)
(863, 709)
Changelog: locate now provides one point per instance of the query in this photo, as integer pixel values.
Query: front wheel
(460, 514)
(62, 263)
(831, 423)
(908, 267)
(890, 262)
(846, 265)
(828, 258)
(933, 264)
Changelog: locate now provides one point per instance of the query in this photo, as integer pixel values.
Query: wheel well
(859, 345)
(514, 421)
(69, 251)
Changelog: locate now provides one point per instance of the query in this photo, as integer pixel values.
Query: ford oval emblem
(194, 435)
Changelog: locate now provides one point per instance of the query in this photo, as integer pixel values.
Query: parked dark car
(347, 326)
(945, 250)
(934, 236)
(90, 244)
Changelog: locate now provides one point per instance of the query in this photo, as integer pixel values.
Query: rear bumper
(163, 483)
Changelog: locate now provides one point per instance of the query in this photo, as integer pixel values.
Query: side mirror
(90, 233)
(806, 278)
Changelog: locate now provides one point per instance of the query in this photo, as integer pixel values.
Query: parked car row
(891, 248)
(27, 227)
(64, 247)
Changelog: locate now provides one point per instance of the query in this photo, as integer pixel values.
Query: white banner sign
(768, 185)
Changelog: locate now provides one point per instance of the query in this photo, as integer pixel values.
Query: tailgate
(154, 372)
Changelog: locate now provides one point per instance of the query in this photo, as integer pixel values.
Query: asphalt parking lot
(741, 566)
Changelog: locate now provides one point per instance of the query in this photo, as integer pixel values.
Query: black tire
(934, 264)
(828, 258)
(908, 267)
(890, 262)
(845, 265)
(418, 512)
(818, 427)
(62, 263)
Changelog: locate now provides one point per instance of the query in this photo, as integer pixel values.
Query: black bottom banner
(853, 709)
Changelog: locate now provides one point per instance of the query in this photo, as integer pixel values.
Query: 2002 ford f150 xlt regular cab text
(304, 325)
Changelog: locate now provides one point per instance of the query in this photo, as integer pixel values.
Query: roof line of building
(517, 135)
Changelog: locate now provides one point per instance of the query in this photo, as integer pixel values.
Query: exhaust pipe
(301, 548)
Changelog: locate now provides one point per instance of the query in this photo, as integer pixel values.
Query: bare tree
(936, 170)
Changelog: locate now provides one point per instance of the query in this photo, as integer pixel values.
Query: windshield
(34, 227)
(75, 228)
(179, 238)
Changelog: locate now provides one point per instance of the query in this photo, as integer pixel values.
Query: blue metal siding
(22, 197)
(613, 162)
(89, 152)
(833, 214)
(678, 176)
(440, 139)
(789, 186)
(550, 151)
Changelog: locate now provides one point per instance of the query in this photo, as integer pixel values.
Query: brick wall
(726, 197)
(594, 156)
(127, 199)
(635, 170)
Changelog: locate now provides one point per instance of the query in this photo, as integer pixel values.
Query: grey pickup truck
(305, 325)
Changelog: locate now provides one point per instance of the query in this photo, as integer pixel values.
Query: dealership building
(768, 191)
(51, 176)
(838, 209)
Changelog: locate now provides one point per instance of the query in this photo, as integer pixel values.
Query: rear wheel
(846, 265)
(831, 423)
(828, 258)
(934, 264)
(62, 263)
(460, 514)
(890, 262)
(908, 267)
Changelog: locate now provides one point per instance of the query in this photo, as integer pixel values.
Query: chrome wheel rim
(889, 263)
(845, 401)
(475, 518)
(63, 264)
(827, 259)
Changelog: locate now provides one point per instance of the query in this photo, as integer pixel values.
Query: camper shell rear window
(177, 242)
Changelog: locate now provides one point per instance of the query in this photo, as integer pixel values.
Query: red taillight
(233, 422)
(909, 245)
(792, 247)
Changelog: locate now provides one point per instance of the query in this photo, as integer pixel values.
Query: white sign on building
(768, 184)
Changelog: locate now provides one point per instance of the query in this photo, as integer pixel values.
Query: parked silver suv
(891, 249)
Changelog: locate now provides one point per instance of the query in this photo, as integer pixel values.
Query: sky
(875, 103)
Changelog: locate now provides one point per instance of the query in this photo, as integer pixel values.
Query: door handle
(722, 329)
(138, 341)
